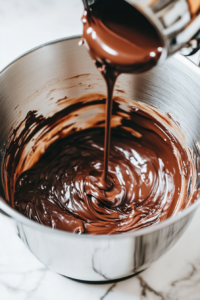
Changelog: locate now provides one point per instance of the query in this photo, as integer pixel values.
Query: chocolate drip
(110, 78)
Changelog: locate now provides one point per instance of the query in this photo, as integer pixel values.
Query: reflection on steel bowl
(46, 79)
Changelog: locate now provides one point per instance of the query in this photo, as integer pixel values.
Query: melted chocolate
(118, 36)
(150, 173)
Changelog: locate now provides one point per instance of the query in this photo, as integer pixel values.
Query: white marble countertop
(176, 276)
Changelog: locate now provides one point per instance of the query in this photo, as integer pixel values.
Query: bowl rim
(11, 213)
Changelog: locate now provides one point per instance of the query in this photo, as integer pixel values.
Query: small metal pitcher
(176, 21)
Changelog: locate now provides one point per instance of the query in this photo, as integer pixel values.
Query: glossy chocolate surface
(118, 36)
(59, 183)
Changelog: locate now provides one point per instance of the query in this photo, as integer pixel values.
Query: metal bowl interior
(53, 71)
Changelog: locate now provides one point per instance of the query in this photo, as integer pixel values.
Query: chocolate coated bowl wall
(62, 70)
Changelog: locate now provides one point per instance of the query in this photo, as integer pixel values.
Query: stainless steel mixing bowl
(35, 81)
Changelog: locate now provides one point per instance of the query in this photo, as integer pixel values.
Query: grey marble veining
(176, 276)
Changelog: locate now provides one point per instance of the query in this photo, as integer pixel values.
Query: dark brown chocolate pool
(55, 180)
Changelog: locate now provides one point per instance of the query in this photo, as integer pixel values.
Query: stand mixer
(44, 78)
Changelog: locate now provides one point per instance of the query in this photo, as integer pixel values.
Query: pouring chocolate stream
(150, 172)
(120, 40)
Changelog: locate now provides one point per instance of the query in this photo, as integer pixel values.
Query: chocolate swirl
(150, 172)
